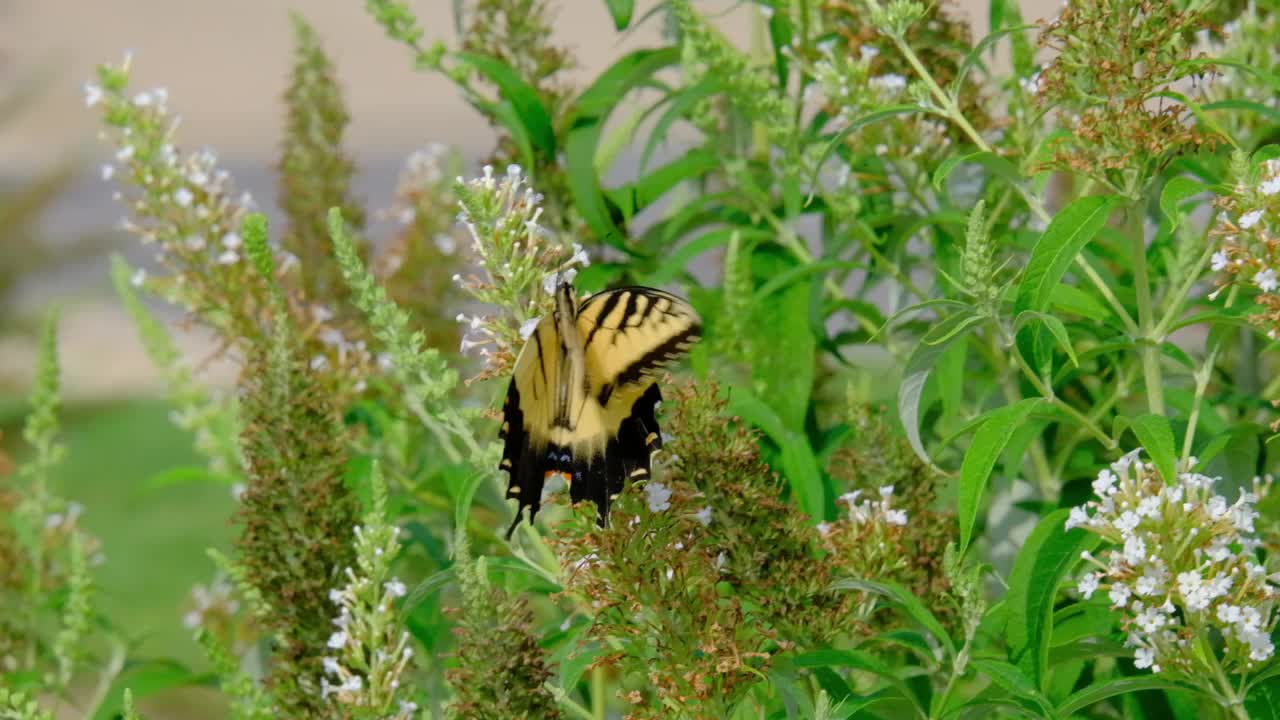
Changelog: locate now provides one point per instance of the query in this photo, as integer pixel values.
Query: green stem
(1149, 345)
(1202, 383)
(597, 693)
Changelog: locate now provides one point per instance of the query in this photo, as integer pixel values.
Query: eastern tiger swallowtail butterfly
(583, 394)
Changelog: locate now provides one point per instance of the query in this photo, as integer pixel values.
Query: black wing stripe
(610, 302)
(658, 356)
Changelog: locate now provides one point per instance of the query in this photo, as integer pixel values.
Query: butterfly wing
(628, 334)
(582, 400)
(527, 416)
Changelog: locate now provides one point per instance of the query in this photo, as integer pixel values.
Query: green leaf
(1263, 701)
(465, 496)
(919, 366)
(999, 166)
(590, 111)
(909, 603)
(1055, 328)
(1069, 298)
(147, 677)
(988, 443)
(1156, 437)
(621, 11)
(952, 325)
(785, 379)
(799, 465)
(1012, 680)
(1111, 688)
(523, 98)
(681, 104)
(1047, 556)
(975, 55)
(183, 475)
(1174, 193)
(1071, 229)
(1196, 64)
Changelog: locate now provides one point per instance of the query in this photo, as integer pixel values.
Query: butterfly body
(582, 400)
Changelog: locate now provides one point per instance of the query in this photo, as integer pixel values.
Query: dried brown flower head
(1115, 81)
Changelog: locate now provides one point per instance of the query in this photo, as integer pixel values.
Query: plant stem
(597, 693)
(1202, 382)
(1149, 346)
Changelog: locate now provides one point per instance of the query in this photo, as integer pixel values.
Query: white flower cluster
(215, 599)
(870, 510)
(1182, 562)
(1250, 246)
(187, 205)
(523, 260)
(369, 651)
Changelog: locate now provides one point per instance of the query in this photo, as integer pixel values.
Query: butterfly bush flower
(868, 541)
(188, 208)
(1180, 564)
(1248, 230)
(522, 260)
(368, 649)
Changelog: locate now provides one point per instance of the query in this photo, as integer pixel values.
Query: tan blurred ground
(225, 65)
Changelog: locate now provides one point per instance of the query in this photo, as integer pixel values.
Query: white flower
(238, 490)
(92, 94)
(1219, 261)
(194, 243)
(331, 666)
(338, 640)
(1119, 594)
(1250, 219)
(891, 83)
(228, 257)
(395, 588)
(1088, 585)
(659, 496)
(124, 153)
(1105, 484)
(108, 171)
(139, 277)
(1127, 522)
(895, 517)
(1260, 646)
(528, 326)
(580, 256)
(550, 283)
(231, 241)
(183, 197)
(824, 528)
(1079, 516)
(1134, 550)
(703, 516)
(319, 362)
(1229, 614)
(1145, 658)
(1267, 280)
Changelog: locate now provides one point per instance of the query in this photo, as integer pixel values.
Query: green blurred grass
(154, 539)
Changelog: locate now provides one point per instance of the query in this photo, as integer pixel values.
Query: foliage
(985, 354)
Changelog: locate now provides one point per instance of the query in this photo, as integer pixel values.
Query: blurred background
(225, 66)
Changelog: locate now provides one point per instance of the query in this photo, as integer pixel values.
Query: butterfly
(583, 394)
